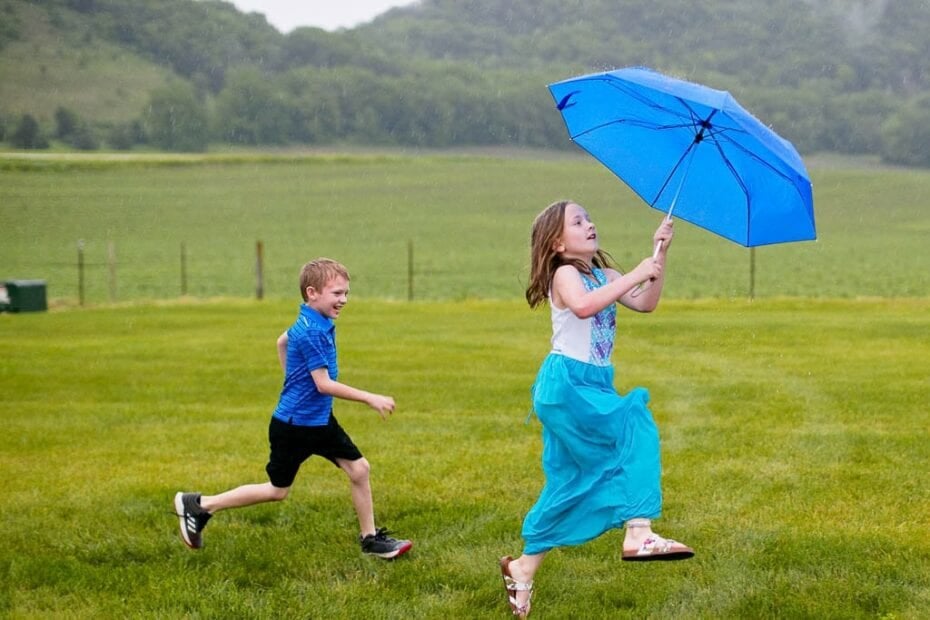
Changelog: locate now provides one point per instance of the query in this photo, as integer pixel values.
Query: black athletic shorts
(291, 445)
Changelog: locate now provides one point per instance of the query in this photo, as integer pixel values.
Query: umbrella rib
(672, 174)
(640, 96)
(739, 180)
(695, 118)
(748, 153)
(689, 120)
(629, 121)
(698, 138)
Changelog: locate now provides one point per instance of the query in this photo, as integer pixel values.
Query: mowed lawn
(795, 449)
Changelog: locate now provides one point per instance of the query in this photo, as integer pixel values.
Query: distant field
(796, 461)
(466, 216)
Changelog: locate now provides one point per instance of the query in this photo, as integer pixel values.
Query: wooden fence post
(259, 271)
(80, 266)
(183, 269)
(111, 264)
(410, 270)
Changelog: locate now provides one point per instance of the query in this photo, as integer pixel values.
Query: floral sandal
(658, 548)
(655, 547)
(513, 586)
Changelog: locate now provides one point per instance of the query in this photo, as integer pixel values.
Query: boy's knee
(277, 494)
(358, 470)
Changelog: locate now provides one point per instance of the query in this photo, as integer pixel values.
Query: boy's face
(331, 299)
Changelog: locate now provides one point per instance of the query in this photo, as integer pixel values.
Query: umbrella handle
(668, 218)
(641, 287)
(655, 253)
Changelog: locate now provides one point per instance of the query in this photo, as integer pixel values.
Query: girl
(600, 449)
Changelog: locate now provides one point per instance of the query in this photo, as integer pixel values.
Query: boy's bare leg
(194, 510)
(360, 486)
(246, 495)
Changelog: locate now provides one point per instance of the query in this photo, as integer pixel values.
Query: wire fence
(99, 273)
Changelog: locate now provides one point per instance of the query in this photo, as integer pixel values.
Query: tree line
(848, 76)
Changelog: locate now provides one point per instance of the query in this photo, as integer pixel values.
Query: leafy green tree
(907, 134)
(315, 47)
(28, 134)
(119, 137)
(84, 138)
(176, 119)
(852, 122)
(66, 121)
(124, 136)
(318, 114)
(199, 40)
(896, 52)
(9, 25)
(251, 109)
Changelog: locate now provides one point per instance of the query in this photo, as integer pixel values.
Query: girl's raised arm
(568, 291)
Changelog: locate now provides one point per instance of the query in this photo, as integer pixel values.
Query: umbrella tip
(563, 103)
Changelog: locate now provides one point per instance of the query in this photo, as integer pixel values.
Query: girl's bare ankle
(518, 572)
(637, 530)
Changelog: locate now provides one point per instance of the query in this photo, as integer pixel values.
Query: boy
(303, 423)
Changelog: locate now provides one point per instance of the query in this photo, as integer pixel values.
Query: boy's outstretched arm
(384, 405)
(282, 350)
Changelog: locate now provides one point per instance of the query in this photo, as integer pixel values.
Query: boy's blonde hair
(318, 272)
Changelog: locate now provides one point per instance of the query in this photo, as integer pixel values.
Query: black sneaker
(383, 546)
(193, 518)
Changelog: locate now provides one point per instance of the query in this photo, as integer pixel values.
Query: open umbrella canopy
(690, 149)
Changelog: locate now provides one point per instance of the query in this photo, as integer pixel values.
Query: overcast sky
(285, 15)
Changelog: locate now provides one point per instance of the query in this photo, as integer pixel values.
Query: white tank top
(586, 340)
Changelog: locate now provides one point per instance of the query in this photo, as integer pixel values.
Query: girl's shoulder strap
(599, 276)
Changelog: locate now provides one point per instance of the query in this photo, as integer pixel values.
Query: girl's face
(579, 237)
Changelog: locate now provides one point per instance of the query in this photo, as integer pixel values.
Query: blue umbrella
(690, 149)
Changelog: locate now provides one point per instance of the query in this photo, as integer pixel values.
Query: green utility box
(23, 296)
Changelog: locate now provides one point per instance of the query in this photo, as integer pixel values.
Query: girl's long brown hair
(544, 260)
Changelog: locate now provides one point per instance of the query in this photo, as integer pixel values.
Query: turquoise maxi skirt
(600, 455)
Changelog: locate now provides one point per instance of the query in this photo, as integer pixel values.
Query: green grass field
(466, 216)
(795, 427)
(795, 451)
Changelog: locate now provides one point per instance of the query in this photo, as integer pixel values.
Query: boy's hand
(384, 405)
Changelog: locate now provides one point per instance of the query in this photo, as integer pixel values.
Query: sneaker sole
(179, 510)
(390, 555)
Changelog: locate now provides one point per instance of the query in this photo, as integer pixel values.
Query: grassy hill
(57, 61)
(439, 73)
